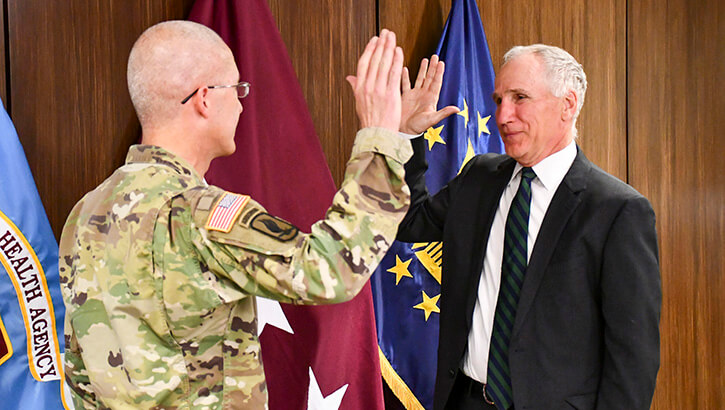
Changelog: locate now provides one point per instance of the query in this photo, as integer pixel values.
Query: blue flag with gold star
(406, 286)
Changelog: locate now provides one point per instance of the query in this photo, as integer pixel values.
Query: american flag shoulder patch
(226, 211)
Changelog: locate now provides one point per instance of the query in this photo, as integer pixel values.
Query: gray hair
(563, 71)
(165, 63)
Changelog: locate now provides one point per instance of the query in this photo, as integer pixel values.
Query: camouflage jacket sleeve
(266, 256)
(76, 375)
(75, 372)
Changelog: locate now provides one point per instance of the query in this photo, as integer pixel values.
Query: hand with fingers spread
(419, 103)
(377, 83)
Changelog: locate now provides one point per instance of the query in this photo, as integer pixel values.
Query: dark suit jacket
(586, 333)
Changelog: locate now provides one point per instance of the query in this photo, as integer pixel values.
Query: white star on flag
(270, 312)
(315, 400)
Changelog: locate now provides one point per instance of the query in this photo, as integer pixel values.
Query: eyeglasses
(242, 90)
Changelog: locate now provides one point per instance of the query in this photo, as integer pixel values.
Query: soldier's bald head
(168, 62)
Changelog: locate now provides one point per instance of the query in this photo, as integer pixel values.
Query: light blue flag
(31, 306)
(406, 287)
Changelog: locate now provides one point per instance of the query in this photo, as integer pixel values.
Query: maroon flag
(331, 351)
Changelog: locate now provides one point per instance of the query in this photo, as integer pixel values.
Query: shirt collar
(153, 154)
(552, 169)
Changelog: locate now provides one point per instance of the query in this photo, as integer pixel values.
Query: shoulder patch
(274, 227)
(247, 215)
(205, 203)
(226, 211)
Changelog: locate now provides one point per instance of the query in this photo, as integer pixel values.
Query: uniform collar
(152, 154)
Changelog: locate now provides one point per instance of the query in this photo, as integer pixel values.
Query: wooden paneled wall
(676, 114)
(3, 53)
(324, 39)
(593, 32)
(67, 89)
(653, 116)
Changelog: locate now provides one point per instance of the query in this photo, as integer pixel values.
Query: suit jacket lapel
(485, 208)
(562, 206)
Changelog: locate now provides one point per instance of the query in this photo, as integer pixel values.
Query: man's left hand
(419, 103)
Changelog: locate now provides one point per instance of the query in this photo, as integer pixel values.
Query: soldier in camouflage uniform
(160, 271)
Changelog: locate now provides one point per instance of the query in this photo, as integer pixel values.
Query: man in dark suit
(550, 297)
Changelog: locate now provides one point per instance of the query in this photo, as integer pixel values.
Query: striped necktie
(513, 268)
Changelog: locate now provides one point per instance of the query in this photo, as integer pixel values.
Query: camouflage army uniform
(161, 310)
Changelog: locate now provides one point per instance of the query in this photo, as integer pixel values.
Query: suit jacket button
(452, 372)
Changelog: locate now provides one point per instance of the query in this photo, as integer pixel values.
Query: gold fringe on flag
(397, 385)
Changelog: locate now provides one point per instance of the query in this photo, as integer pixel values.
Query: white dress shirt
(549, 174)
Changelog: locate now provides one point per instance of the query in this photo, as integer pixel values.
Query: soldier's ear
(202, 103)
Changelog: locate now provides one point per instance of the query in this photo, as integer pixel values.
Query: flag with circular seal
(31, 306)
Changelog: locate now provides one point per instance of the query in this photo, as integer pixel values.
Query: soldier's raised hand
(377, 83)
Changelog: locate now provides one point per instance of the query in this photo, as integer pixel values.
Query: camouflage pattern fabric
(161, 310)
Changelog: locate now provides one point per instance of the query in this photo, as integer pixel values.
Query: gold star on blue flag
(408, 323)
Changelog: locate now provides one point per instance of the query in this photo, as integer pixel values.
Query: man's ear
(201, 102)
(570, 104)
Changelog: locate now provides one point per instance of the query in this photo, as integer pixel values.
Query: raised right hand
(377, 83)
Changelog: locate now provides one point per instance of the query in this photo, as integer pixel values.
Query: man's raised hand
(419, 103)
